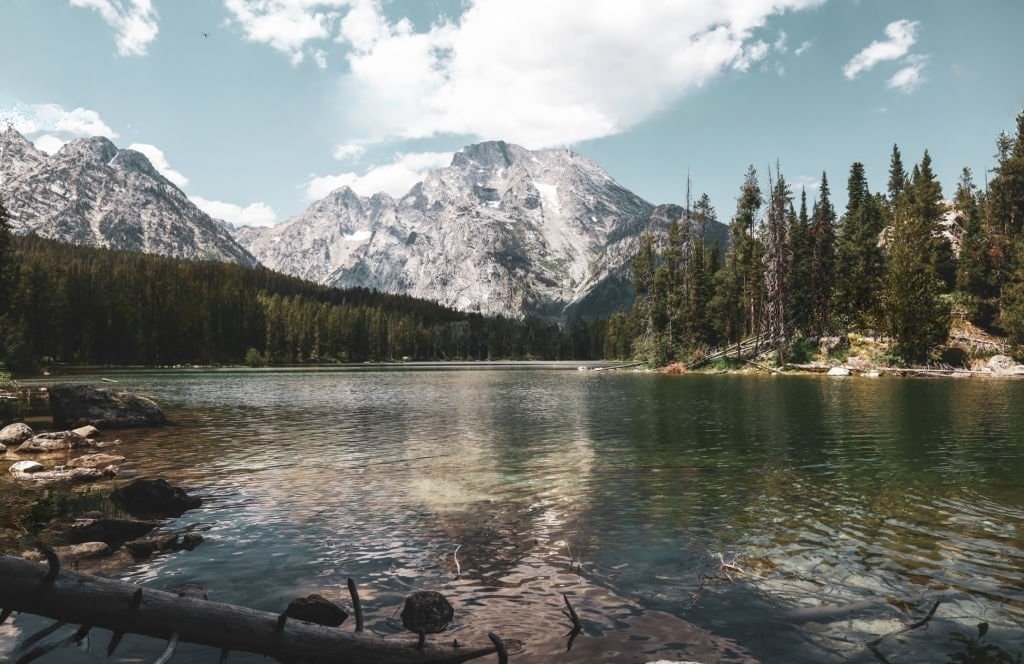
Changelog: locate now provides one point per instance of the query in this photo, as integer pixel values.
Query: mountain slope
(92, 193)
(502, 230)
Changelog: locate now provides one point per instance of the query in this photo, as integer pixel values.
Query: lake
(847, 506)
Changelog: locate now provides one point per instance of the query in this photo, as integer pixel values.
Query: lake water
(885, 494)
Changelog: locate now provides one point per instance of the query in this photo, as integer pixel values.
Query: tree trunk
(82, 599)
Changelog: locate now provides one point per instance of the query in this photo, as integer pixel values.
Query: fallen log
(122, 607)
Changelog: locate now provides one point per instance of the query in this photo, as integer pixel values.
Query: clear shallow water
(889, 493)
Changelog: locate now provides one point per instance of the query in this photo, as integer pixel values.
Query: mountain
(92, 193)
(502, 230)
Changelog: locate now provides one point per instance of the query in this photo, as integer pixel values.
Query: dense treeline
(887, 265)
(64, 303)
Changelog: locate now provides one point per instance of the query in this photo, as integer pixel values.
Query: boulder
(75, 405)
(73, 552)
(838, 371)
(829, 345)
(111, 531)
(1000, 363)
(15, 434)
(3, 448)
(54, 441)
(95, 461)
(427, 612)
(144, 548)
(154, 497)
(73, 475)
(318, 610)
(88, 431)
(24, 467)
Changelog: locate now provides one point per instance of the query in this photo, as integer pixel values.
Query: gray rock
(95, 461)
(154, 497)
(111, 531)
(74, 552)
(999, 363)
(838, 371)
(72, 475)
(15, 434)
(77, 405)
(26, 467)
(53, 442)
(88, 431)
(318, 610)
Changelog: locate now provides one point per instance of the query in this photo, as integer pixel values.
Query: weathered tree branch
(82, 599)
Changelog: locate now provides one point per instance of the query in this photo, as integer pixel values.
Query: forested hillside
(84, 305)
(900, 264)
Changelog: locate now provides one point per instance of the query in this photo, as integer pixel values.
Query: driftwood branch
(874, 643)
(81, 599)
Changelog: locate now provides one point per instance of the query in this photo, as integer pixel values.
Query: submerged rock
(318, 610)
(154, 497)
(54, 441)
(15, 434)
(99, 460)
(88, 431)
(144, 548)
(76, 405)
(73, 475)
(427, 612)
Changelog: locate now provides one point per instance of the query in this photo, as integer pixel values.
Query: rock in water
(95, 461)
(15, 434)
(88, 431)
(838, 371)
(111, 531)
(318, 610)
(427, 612)
(24, 467)
(76, 405)
(154, 497)
(53, 442)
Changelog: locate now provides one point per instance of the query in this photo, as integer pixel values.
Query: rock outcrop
(76, 405)
(154, 497)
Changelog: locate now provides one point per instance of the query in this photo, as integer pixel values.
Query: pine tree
(897, 176)
(914, 314)
(801, 256)
(926, 193)
(822, 279)
(974, 271)
(777, 262)
(859, 259)
(700, 330)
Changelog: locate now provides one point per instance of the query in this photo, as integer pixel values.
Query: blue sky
(287, 99)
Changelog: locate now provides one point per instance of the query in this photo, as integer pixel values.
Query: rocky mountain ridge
(502, 230)
(92, 193)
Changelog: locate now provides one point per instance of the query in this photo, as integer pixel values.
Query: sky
(256, 108)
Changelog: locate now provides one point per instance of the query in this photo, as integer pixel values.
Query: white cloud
(345, 151)
(808, 182)
(53, 119)
(901, 36)
(911, 76)
(802, 48)
(543, 73)
(320, 58)
(752, 53)
(395, 178)
(287, 25)
(255, 214)
(49, 143)
(135, 22)
(159, 161)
